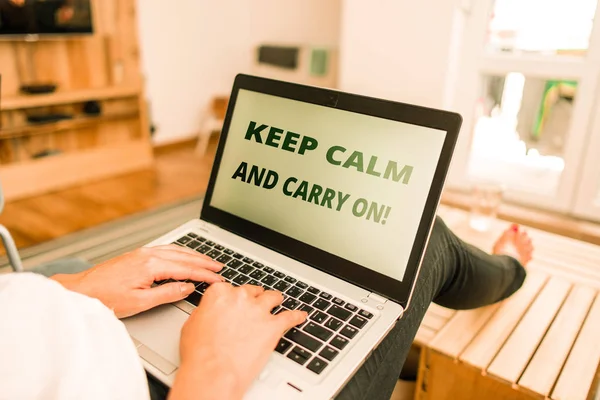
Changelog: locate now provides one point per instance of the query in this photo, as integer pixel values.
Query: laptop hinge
(377, 298)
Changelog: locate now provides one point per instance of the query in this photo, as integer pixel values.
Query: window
(541, 26)
(528, 79)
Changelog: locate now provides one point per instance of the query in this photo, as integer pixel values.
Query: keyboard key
(290, 303)
(328, 353)
(281, 309)
(209, 243)
(317, 365)
(229, 252)
(269, 280)
(254, 282)
(258, 274)
(365, 314)
(339, 312)
(313, 290)
(246, 269)
(235, 264)
(349, 331)
(268, 270)
(184, 240)
(318, 331)
(201, 239)
(322, 304)
(257, 264)
(333, 324)
(248, 260)
(224, 258)
(351, 307)
(308, 298)
(281, 286)
(303, 339)
(275, 310)
(319, 317)
(326, 296)
(202, 287)
(192, 235)
(306, 308)
(241, 279)
(194, 298)
(294, 291)
(301, 285)
(290, 279)
(229, 274)
(222, 271)
(339, 342)
(219, 247)
(358, 321)
(299, 355)
(283, 346)
(339, 301)
(213, 254)
(238, 256)
(203, 249)
(193, 244)
(279, 275)
(196, 283)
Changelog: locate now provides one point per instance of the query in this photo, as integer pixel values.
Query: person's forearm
(69, 281)
(204, 382)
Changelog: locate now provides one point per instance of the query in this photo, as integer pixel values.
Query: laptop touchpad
(159, 330)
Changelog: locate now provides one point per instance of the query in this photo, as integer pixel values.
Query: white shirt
(57, 344)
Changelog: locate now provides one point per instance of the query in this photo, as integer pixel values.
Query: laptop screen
(350, 184)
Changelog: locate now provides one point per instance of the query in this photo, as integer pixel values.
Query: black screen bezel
(398, 291)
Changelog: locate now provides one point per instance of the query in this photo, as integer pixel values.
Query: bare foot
(515, 242)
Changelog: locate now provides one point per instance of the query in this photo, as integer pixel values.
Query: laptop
(328, 197)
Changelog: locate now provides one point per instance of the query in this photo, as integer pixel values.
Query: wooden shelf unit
(103, 67)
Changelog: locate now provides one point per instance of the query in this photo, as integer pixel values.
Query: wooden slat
(434, 322)
(440, 311)
(492, 337)
(545, 366)
(522, 343)
(583, 277)
(578, 373)
(461, 329)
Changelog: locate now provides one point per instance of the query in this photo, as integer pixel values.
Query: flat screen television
(45, 17)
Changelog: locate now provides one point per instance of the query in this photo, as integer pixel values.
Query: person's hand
(228, 339)
(124, 283)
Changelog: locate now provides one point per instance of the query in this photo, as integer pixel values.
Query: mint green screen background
(382, 248)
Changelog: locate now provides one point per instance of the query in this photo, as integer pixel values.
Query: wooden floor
(178, 174)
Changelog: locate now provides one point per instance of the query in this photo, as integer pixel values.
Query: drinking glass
(485, 201)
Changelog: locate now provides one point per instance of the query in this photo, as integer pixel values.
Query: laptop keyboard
(331, 324)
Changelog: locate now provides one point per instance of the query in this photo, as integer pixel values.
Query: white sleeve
(57, 344)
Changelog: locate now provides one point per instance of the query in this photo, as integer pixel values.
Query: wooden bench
(541, 343)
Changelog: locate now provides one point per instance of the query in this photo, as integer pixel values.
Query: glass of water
(485, 201)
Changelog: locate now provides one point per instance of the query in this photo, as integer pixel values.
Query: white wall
(192, 51)
(189, 53)
(398, 49)
(296, 22)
